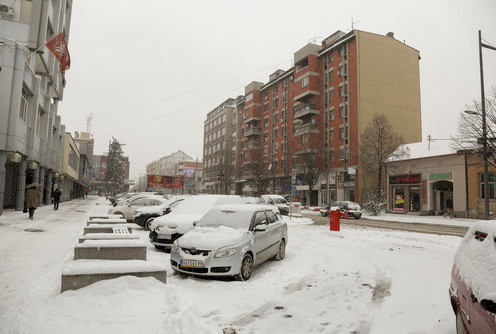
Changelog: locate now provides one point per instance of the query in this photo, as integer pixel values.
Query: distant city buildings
(184, 170)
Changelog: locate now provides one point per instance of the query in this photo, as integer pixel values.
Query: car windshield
(354, 206)
(231, 218)
(279, 201)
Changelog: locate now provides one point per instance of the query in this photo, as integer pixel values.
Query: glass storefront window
(398, 199)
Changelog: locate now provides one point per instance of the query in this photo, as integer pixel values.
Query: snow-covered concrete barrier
(113, 249)
(106, 228)
(104, 216)
(81, 273)
(104, 221)
(108, 236)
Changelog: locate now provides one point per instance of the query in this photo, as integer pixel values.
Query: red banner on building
(58, 46)
(159, 181)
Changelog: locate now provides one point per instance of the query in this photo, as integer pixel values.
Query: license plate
(164, 236)
(192, 263)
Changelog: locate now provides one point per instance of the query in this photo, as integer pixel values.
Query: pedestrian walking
(31, 200)
(56, 198)
(449, 207)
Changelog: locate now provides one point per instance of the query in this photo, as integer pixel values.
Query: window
(260, 218)
(249, 97)
(304, 138)
(271, 217)
(23, 113)
(39, 116)
(491, 182)
(304, 82)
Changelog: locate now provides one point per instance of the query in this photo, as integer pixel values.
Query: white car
(144, 216)
(277, 200)
(230, 240)
(127, 210)
(166, 229)
(126, 200)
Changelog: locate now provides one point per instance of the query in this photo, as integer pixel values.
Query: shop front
(423, 185)
(405, 193)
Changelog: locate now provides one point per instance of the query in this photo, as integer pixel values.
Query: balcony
(252, 131)
(300, 129)
(251, 146)
(305, 110)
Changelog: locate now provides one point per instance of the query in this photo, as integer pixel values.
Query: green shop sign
(445, 175)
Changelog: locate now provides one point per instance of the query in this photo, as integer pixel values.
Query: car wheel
(246, 268)
(148, 223)
(323, 214)
(282, 251)
(357, 216)
(119, 213)
(460, 327)
(160, 247)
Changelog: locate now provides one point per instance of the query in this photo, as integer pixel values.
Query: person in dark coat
(449, 207)
(31, 200)
(56, 198)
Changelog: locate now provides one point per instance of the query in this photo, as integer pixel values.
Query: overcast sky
(149, 71)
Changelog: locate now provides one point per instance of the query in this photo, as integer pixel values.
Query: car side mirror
(195, 223)
(488, 305)
(260, 228)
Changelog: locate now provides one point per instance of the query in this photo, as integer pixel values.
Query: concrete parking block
(106, 221)
(106, 228)
(108, 236)
(110, 250)
(81, 273)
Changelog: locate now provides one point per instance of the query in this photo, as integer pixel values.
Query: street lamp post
(484, 129)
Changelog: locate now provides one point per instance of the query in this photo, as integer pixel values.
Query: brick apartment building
(307, 120)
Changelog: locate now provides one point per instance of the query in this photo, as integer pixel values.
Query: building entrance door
(414, 199)
(441, 191)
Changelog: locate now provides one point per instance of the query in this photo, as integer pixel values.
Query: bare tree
(470, 128)
(311, 165)
(379, 144)
(224, 170)
(256, 170)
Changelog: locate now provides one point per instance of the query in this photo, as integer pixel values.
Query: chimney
(390, 34)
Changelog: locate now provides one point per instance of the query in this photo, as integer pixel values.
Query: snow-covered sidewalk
(412, 218)
(356, 280)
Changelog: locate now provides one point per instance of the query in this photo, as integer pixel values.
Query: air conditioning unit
(6, 11)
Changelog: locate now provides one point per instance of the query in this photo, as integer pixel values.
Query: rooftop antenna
(353, 23)
(88, 122)
(313, 40)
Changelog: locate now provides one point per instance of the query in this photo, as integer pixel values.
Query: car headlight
(225, 252)
(175, 246)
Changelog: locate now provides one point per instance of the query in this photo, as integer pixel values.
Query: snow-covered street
(353, 281)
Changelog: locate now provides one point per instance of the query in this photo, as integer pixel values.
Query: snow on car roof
(244, 207)
(203, 203)
(475, 260)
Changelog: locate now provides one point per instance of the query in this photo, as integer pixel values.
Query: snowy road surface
(353, 281)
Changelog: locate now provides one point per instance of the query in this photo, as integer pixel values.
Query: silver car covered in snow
(230, 240)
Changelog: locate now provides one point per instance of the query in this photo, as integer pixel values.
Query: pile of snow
(475, 260)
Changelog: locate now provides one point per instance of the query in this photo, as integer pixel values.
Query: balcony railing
(304, 110)
(252, 131)
(251, 146)
(305, 128)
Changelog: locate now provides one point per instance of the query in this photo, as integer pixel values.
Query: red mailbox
(335, 218)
